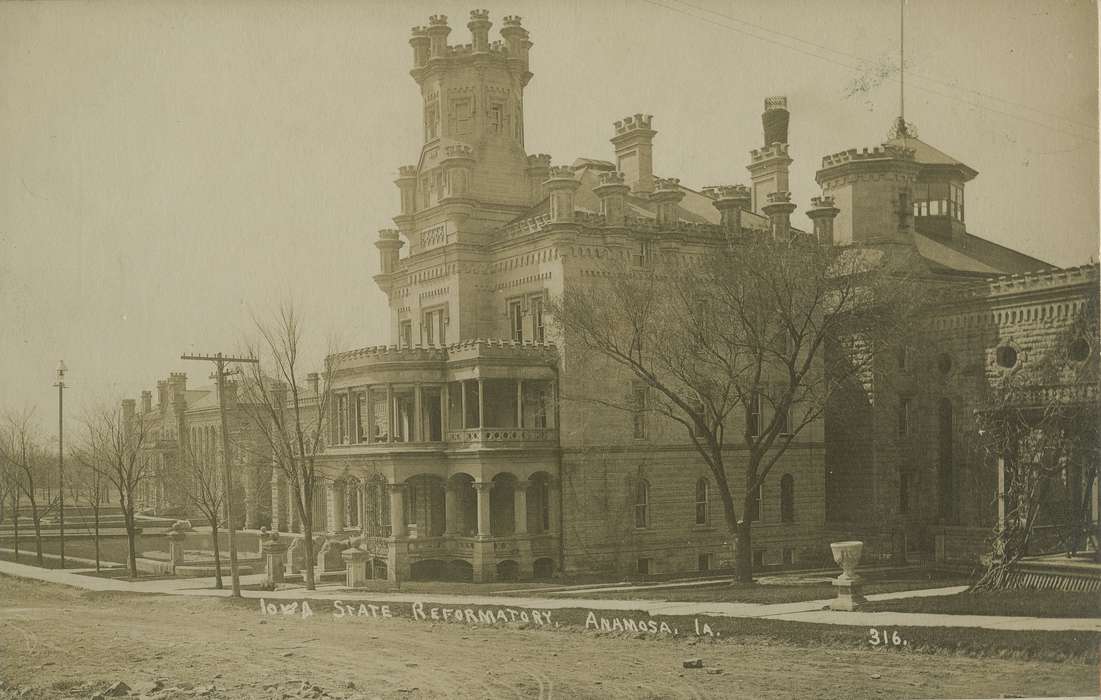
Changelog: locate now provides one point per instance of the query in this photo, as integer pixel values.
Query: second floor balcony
(487, 394)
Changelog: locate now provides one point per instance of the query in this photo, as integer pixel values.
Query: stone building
(185, 424)
(454, 450)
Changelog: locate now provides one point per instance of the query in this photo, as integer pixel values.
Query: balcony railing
(502, 435)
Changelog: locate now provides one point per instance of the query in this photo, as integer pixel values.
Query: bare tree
(1039, 425)
(203, 490)
(26, 461)
(114, 442)
(86, 485)
(768, 328)
(289, 417)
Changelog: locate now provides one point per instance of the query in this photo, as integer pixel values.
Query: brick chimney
(822, 213)
(146, 402)
(666, 198)
(560, 186)
(127, 411)
(479, 26)
(778, 210)
(731, 201)
(437, 36)
(162, 394)
(612, 192)
(634, 151)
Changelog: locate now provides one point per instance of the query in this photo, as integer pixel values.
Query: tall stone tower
(472, 175)
(768, 166)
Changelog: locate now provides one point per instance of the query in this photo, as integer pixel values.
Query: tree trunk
(37, 533)
(95, 520)
(307, 532)
(131, 554)
(743, 554)
(217, 553)
(15, 522)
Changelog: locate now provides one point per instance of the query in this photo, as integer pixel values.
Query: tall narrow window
(787, 498)
(753, 414)
(431, 122)
(361, 417)
(516, 320)
(537, 319)
(783, 410)
(341, 419)
(642, 504)
(638, 410)
(701, 502)
(405, 334)
(496, 118)
(904, 416)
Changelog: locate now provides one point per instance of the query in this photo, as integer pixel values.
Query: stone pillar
(520, 507)
(355, 560)
(279, 519)
(451, 511)
(389, 413)
(176, 537)
(397, 510)
(482, 489)
(519, 403)
(445, 409)
(554, 486)
(273, 550)
(418, 408)
(334, 493)
(481, 403)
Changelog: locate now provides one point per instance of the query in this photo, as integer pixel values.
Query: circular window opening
(944, 363)
(1079, 350)
(1006, 356)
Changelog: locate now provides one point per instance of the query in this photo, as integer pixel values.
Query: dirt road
(64, 643)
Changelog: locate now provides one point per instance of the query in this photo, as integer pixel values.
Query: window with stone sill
(702, 502)
(642, 504)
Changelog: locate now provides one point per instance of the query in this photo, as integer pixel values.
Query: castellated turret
(768, 166)
(873, 189)
(634, 152)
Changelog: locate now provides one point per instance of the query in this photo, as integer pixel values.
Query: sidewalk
(806, 611)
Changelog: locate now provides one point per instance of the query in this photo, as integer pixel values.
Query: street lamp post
(61, 456)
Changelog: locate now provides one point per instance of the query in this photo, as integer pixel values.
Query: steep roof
(929, 155)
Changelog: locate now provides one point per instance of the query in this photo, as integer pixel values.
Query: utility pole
(220, 361)
(61, 457)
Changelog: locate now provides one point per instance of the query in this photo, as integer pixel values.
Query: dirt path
(65, 643)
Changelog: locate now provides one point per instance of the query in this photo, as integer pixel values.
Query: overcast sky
(168, 169)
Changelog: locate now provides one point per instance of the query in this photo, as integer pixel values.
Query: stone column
(520, 507)
(482, 488)
(553, 486)
(279, 520)
(481, 404)
(519, 403)
(462, 397)
(445, 409)
(397, 510)
(389, 413)
(451, 511)
(418, 423)
(334, 493)
(370, 415)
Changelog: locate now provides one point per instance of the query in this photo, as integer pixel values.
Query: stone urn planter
(177, 535)
(848, 584)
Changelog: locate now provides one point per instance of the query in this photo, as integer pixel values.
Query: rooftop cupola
(560, 187)
(613, 194)
(666, 196)
(822, 213)
(437, 35)
(778, 210)
(479, 26)
(731, 201)
(634, 151)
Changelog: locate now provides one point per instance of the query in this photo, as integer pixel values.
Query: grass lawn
(27, 556)
(1017, 603)
(875, 582)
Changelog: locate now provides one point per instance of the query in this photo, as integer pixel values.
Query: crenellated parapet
(634, 122)
(612, 192)
(731, 201)
(822, 212)
(770, 152)
(884, 152)
(560, 186)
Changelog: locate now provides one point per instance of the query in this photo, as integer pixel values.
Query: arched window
(701, 502)
(787, 498)
(642, 504)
